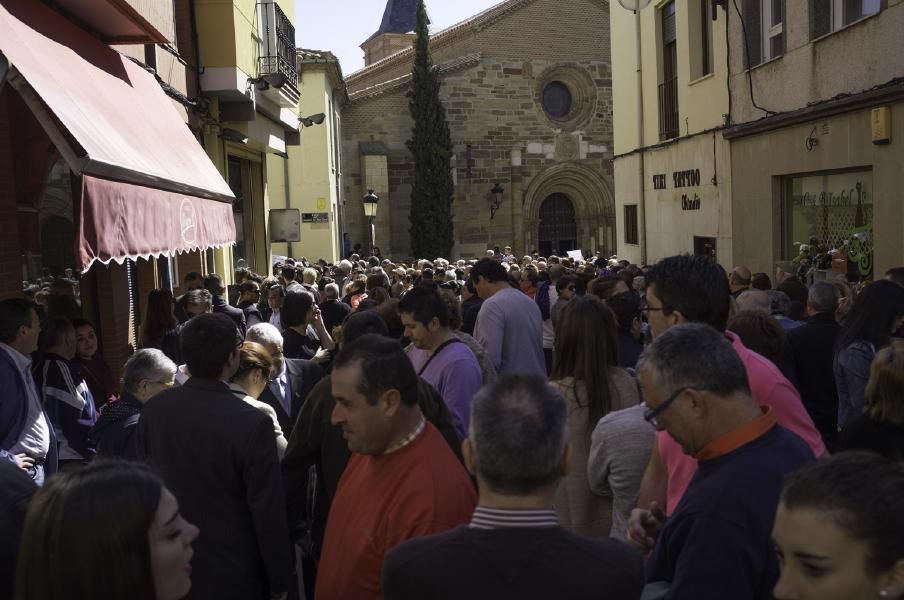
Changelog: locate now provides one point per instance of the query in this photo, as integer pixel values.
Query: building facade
(315, 166)
(248, 79)
(818, 101)
(527, 90)
(672, 165)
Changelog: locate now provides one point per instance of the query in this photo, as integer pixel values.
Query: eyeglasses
(651, 416)
(644, 307)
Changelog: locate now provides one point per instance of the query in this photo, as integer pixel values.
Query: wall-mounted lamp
(312, 120)
(496, 202)
(266, 81)
(233, 135)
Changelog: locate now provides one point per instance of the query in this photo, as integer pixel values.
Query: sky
(340, 26)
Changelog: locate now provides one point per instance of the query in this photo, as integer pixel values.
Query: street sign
(315, 217)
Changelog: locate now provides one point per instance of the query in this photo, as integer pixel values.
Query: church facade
(527, 90)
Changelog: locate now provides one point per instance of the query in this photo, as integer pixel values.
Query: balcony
(277, 54)
(668, 109)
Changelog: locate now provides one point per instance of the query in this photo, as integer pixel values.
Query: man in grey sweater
(509, 325)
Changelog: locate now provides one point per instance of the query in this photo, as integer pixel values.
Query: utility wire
(747, 60)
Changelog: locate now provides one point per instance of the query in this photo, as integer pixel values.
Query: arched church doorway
(558, 231)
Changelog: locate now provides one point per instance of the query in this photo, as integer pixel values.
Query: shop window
(631, 236)
(828, 224)
(827, 16)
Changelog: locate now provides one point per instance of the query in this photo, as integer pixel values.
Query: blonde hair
(884, 398)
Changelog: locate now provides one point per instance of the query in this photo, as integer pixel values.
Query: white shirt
(35, 437)
(274, 319)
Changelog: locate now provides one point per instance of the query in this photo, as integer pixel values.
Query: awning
(148, 187)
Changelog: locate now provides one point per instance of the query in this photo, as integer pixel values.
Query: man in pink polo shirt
(694, 289)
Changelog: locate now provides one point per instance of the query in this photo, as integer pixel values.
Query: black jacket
(238, 317)
(303, 376)
(809, 354)
(217, 455)
(524, 563)
(114, 433)
(470, 308)
(253, 314)
(334, 312)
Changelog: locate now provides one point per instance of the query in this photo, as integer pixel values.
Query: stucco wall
(844, 142)
(866, 53)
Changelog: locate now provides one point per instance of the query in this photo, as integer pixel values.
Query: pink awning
(116, 127)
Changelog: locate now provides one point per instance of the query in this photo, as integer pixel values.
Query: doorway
(558, 230)
(705, 246)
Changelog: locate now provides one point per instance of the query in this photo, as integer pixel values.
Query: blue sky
(341, 25)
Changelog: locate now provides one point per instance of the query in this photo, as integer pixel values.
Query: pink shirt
(769, 388)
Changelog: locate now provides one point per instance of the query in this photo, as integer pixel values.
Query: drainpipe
(291, 250)
(642, 202)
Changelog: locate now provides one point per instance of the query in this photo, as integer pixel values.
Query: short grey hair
(265, 334)
(331, 291)
(780, 303)
(150, 364)
(199, 297)
(756, 301)
(345, 266)
(519, 429)
(824, 297)
(694, 355)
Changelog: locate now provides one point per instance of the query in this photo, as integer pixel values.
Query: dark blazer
(217, 455)
(809, 354)
(14, 414)
(470, 308)
(114, 433)
(236, 314)
(524, 563)
(253, 314)
(303, 376)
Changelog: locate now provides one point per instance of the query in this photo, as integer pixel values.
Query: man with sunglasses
(249, 297)
(717, 542)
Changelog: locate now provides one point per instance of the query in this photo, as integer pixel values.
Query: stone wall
(492, 80)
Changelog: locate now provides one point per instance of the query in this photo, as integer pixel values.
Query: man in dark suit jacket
(293, 381)
(217, 455)
(214, 285)
(514, 546)
(809, 354)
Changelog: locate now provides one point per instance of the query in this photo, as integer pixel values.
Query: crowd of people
(539, 427)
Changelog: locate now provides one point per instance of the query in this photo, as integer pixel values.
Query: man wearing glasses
(249, 297)
(694, 289)
(717, 542)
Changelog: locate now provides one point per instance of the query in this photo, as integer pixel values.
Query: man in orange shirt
(402, 480)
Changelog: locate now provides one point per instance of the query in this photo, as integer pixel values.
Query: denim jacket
(851, 370)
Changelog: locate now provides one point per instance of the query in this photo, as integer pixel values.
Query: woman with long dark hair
(158, 329)
(585, 369)
(877, 313)
(110, 530)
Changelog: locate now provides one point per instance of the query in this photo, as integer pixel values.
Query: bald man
(739, 281)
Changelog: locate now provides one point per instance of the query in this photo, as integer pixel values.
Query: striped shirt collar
(500, 518)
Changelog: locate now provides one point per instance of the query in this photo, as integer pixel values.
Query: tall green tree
(431, 228)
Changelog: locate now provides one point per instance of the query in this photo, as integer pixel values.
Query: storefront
(821, 196)
(688, 200)
(98, 172)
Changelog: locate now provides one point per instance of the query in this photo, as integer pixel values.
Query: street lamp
(370, 211)
(496, 202)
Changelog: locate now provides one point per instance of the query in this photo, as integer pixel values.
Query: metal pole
(373, 237)
(642, 204)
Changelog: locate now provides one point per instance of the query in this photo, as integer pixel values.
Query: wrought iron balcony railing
(668, 109)
(277, 44)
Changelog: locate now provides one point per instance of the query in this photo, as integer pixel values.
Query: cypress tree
(431, 228)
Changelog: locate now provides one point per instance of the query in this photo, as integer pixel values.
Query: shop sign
(315, 217)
